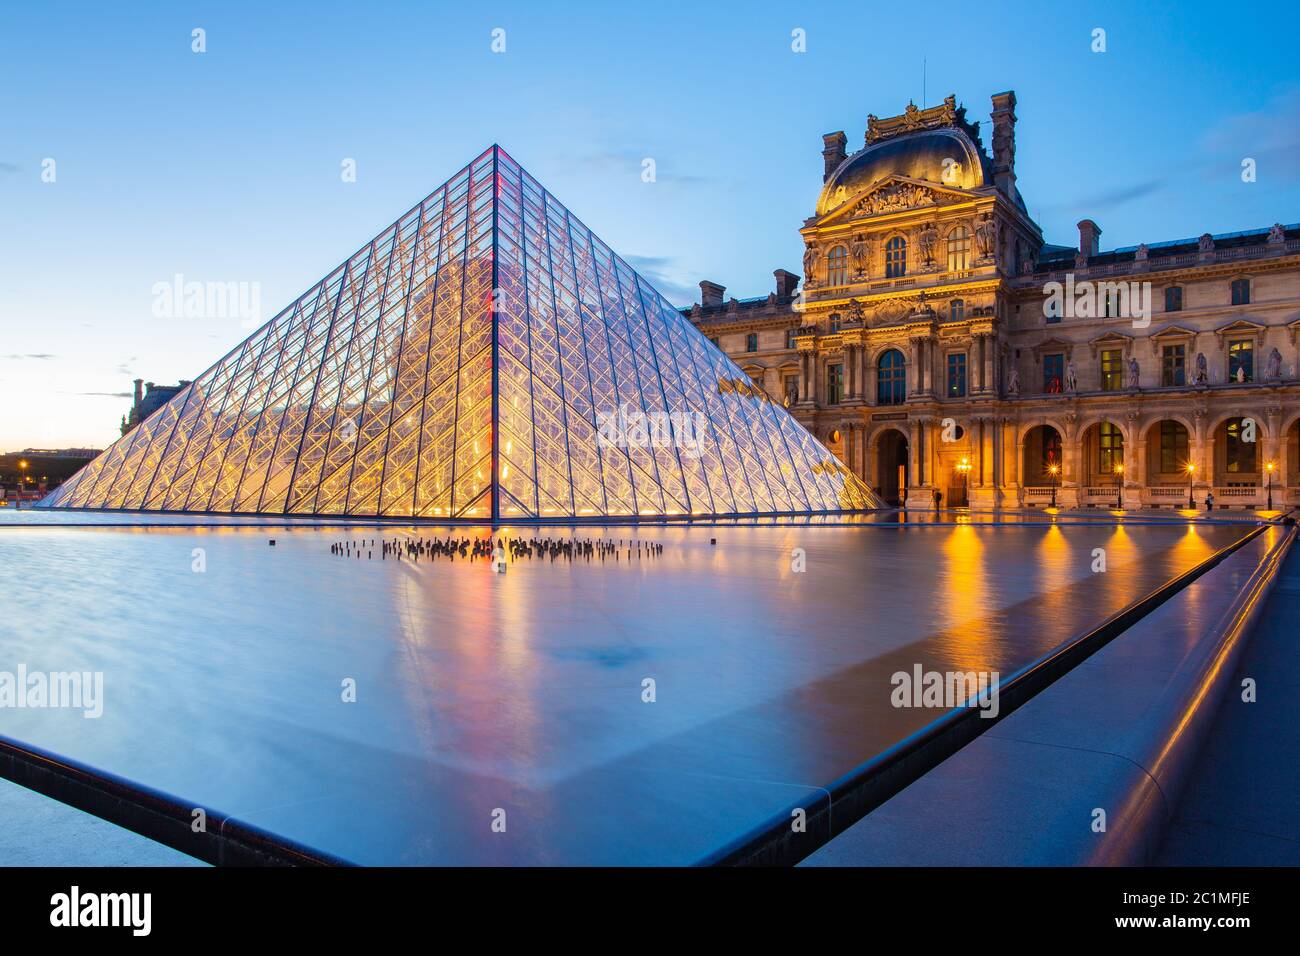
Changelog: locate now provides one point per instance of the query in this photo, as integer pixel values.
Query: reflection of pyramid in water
(376, 392)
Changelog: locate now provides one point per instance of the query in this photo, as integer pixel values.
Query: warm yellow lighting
(1271, 465)
(1119, 468)
(1190, 468)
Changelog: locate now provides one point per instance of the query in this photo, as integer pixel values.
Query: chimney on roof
(711, 293)
(786, 284)
(1089, 237)
(139, 394)
(833, 152)
(1004, 143)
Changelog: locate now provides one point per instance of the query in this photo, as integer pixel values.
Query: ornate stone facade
(941, 345)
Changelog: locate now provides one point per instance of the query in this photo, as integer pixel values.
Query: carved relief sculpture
(1134, 372)
(1202, 369)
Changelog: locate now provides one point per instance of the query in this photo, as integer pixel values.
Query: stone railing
(1261, 251)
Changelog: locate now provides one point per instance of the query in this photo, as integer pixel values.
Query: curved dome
(920, 155)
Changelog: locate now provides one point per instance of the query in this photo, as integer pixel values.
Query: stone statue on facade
(1142, 253)
(861, 251)
(1277, 234)
(1205, 243)
(1202, 370)
(1134, 372)
(1273, 367)
(1013, 381)
(1071, 377)
(927, 240)
(809, 266)
(986, 236)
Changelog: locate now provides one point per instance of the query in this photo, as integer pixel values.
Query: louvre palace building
(938, 343)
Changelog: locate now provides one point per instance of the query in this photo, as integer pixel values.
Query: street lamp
(1191, 471)
(1269, 468)
(1052, 470)
(1119, 486)
(22, 481)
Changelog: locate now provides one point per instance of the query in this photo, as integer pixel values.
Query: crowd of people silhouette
(496, 548)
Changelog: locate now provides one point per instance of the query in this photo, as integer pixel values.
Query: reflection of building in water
(930, 295)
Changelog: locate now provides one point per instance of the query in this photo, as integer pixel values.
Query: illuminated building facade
(485, 357)
(940, 344)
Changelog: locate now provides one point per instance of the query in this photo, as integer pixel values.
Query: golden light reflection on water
(964, 595)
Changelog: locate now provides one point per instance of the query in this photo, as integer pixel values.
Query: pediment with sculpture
(896, 194)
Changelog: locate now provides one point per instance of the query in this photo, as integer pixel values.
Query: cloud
(19, 356)
(628, 162)
(1270, 136)
(104, 394)
(661, 273)
(8, 167)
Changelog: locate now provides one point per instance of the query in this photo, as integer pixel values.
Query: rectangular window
(790, 335)
(1173, 367)
(957, 310)
(1174, 299)
(1053, 373)
(751, 342)
(835, 323)
(957, 375)
(1241, 361)
(1112, 370)
(834, 384)
(1052, 311)
(1241, 292)
(1173, 447)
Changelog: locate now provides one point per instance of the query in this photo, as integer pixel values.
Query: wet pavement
(521, 697)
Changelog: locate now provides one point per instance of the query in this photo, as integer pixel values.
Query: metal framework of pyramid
(462, 365)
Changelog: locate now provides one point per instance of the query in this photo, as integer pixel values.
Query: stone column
(989, 383)
(915, 365)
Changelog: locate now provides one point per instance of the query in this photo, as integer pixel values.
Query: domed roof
(923, 154)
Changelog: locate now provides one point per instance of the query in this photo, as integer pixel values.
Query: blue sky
(225, 166)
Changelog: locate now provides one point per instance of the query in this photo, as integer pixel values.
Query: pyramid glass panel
(486, 357)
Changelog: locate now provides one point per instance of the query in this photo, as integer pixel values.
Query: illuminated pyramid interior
(376, 393)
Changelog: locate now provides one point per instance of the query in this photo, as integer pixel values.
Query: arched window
(1240, 453)
(959, 249)
(891, 378)
(837, 266)
(895, 257)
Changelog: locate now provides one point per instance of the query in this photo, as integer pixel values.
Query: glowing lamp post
(1119, 486)
(1191, 472)
(22, 482)
(1053, 470)
(1269, 468)
(964, 467)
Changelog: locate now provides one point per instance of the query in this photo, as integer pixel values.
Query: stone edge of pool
(1119, 733)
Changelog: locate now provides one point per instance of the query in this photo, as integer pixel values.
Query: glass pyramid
(484, 358)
